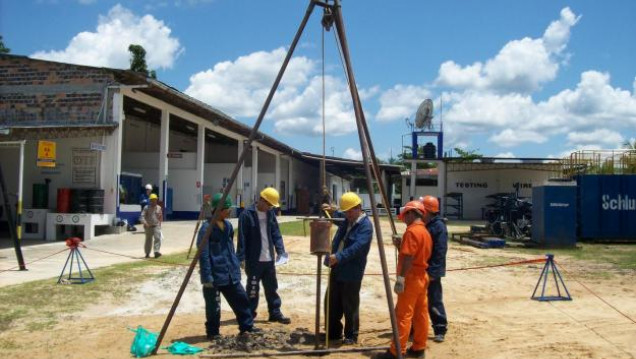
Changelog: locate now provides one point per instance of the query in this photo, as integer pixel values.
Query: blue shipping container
(554, 216)
(607, 206)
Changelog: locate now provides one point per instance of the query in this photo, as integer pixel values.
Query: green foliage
(468, 154)
(3, 49)
(138, 61)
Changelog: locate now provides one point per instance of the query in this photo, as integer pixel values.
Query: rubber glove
(399, 285)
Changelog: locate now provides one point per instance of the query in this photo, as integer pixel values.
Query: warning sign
(46, 154)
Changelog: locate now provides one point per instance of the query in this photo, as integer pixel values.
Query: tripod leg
(86, 265)
(59, 280)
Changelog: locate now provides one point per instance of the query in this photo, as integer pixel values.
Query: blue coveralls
(249, 250)
(218, 265)
(346, 276)
(436, 270)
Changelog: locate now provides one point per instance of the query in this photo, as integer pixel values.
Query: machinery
(510, 216)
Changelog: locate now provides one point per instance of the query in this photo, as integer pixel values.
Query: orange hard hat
(412, 206)
(430, 203)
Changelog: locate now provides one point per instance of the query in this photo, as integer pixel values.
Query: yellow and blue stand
(558, 281)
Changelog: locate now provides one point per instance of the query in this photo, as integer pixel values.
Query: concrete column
(254, 183)
(200, 163)
(239, 175)
(441, 185)
(163, 155)
(111, 158)
(277, 172)
(290, 187)
(413, 180)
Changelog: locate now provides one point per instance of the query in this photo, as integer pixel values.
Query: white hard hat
(149, 186)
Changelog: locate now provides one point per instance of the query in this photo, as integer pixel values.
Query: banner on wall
(46, 154)
(85, 163)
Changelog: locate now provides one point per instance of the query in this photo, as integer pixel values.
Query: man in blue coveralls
(220, 273)
(436, 267)
(259, 235)
(348, 260)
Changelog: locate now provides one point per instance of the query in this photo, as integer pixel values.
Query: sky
(524, 78)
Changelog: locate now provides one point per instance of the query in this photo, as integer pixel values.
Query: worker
(411, 283)
(436, 267)
(145, 197)
(221, 274)
(258, 237)
(151, 218)
(347, 260)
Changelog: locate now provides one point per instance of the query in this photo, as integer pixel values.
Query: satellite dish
(424, 114)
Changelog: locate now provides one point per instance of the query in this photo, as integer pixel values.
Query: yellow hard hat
(349, 200)
(271, 195)
(153, 196)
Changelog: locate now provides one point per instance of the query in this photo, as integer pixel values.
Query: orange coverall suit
(412, 304)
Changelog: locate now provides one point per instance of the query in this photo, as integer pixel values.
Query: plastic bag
(143, 343)
(181, 348)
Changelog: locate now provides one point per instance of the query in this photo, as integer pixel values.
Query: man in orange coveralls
(412, 282)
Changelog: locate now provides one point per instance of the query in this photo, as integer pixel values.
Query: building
(65, 126)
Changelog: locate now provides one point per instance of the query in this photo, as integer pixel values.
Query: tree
(468, 154)
(138, 61)
(630, 145)
(3, 49)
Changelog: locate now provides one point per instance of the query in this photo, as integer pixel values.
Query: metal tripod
(369, 159)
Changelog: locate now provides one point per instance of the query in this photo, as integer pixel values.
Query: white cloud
(352, 154)
(108, 45)
(598, 137)
(240, 87)
(401, 102)
(520, 66)
(505, 155)
(514, 137)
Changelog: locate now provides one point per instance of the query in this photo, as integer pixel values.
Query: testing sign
(46, 154)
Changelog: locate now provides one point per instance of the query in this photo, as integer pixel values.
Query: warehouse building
(105, 133)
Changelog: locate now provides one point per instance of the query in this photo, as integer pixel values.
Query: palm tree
(630, 145)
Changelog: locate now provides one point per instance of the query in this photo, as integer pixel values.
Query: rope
(33, 261)
(597, 296)
(138, 258)
(591, 329)
(538, 260)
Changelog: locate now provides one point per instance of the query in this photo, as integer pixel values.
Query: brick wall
(43, 93)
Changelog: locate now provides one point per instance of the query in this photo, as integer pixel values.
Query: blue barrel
(607, 207)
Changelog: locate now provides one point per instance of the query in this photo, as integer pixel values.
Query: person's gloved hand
(208, 285)
(242, 264)
(397, 240)
(399, 285)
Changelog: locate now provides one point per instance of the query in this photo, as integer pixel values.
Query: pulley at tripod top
(319, 241)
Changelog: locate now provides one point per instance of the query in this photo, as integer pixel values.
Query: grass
(38, 305)
(294, 228)
(622, 256)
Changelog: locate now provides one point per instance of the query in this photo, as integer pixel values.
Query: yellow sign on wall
(46, 154)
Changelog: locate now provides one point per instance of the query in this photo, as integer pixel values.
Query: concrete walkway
(177, 238)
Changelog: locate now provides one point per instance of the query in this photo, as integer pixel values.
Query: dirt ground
(490, 312)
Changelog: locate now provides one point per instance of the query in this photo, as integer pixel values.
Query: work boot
(438, 338)
(157, 254)
(349, 341)
(280, 319)
(420, 354)
(252, 330)
(386, 355)
(213, 337)
(147, 255)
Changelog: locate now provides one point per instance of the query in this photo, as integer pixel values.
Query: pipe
(294, 352)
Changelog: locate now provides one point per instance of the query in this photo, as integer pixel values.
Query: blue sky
(527, 78)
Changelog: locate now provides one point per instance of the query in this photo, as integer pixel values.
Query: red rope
(33, 261)
(596, 295)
